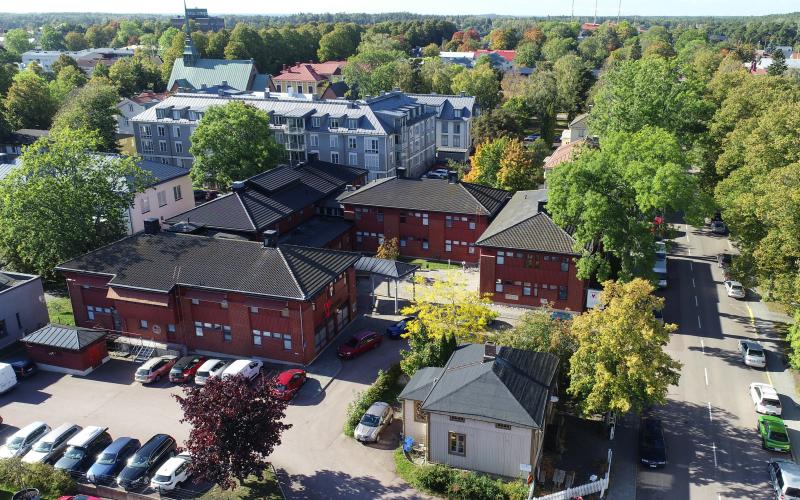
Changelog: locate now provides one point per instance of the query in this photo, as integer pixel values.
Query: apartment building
(131, 106)
(380, 134)
(454, 114)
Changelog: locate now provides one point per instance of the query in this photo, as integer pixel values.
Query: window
(254, 310)
(146, 131)
(505, 427)
(333, 123)
(334, 157)
(472, 224)
(334, 140)
(90, 312)
(448, 221)
(372, 145)
(278, 87)
(419, 415)
(498, 286)
(457, 113)
(424, 244)
(179, 147)
(403, 242)
(562, 293)
(456, 419)
(162, 131)
(352, 159)
(147, 146)
(176, 132)
(471, 248)
(457, 443)
(444, 140)
(130, 107)
(127, 122)
(162, 198)
(257, 337)
(352, 143)
(195, 302)
(226, 333)
(379, 216)
(352, 123)
(143, 324)
(287, 342)
(275, 335)
(314, 138)
(456, 128)
(448, 246)
(170, 328)
(565, 264)
(501, 258)
(198, 328)
(162, 146)
(456, 141)
(315, 121)
(176, 193)
(424, 219)
(223, 304)
(145, 204)
(526, 290)
(371, 161)
(359, 237)
(176, 114)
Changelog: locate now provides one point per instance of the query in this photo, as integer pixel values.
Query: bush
(49, 481)
(793, 336)
(471, 486)
(436, 478)
(386, 388)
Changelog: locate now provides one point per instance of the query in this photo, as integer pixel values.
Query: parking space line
(705, 372)
(691, 266)
(710, 418)
(696, 304)
(714, 449)
(703, 346)
(700, 326)
(693, 285)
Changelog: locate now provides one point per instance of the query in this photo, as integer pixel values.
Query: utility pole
(619, 11)
(595, 11)
(572, 15)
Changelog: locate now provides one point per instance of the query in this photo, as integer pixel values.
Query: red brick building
(527, 260)
(239, 298)
(67, 349)
(432, 218)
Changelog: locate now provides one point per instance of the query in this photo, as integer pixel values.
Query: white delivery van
(8, 379)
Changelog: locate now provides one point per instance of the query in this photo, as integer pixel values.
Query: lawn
(430, 264)
(253, 489)
(60, 309)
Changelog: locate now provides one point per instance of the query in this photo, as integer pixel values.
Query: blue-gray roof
(418, 388)
(383, 267)
(211, 72)
(446, 104)
(72, 338)
(6, 168)
(160, 172)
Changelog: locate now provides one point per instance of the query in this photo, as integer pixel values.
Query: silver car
(372, 423)
(21, 441)
(52, 445)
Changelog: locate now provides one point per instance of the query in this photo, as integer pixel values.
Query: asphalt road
(713, 448)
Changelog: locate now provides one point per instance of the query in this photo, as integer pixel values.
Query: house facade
(308, 78)
(280, 303)
(578, 129)
(86, 59)
(438, 219)
(22, 306)
(454, 115)
(379, 134)
(527, 260)
(170, 194)
(487, 410)
(131, 106)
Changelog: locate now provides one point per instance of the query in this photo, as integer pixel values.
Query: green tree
(7, 72)
(62, 62)
(67, 80)
(528, 53)
(339, 43)
(572, 82)
(63, 201)
(100, 71)
(636, 50)
(132, 75)
(233, 142)
(128, 33)
(246, 43)
(378, 66)
(430, 50)
(437, 76)
(556, 48)
(217, 43)
(496, 123)
(485, 163)
(93, 107)
(168, 58)
(28, 102)
(659, 49)
(620, 364)
(778, 66)
(165, 40)
(519, 169)
(593, 50)
(75, 41)
(18, 41)
(481, 82)
(52, 39)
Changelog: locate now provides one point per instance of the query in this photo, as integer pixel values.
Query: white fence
(599, 486)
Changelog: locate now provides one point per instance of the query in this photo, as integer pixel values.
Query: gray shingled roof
(160, 172)
(430, 195)
(210, 72)
(418, 388)
(316, 232)
(445, 104)
(72, 338)
(383, 267)
(161, 261)
(513, 388)
(521, 226)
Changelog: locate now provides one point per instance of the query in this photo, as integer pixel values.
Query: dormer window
(352, 123)
(334, 123)
(176, 115)
(457, 113)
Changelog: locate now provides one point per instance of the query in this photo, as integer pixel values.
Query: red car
(185, 368)
(359, 344)
(287, 384)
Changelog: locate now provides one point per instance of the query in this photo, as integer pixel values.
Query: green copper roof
(211, 72)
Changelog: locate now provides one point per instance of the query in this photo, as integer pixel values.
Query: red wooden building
(432, 218)
(282, 303)
(526, 259)
(67, 349)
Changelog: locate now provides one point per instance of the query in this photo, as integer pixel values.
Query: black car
(23, 367)
(652, 448)
(724, 260)
(145, 462)
(81, 454)
(112, 460)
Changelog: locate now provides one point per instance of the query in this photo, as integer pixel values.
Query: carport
(389, 270)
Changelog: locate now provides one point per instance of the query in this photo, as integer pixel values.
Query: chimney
(462, 94)
(237, 186)
(270, 238)
(542, 207)
(452, 177)
(489, 351)
(224, 83)
(152, 226)
(349, 187)
(401, 172)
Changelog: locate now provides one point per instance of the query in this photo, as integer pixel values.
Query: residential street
(713, 448)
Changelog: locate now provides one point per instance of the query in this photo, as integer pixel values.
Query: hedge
(456, 484)
(51, 483)
(386, 388)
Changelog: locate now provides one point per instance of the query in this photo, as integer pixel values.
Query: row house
(528, 260)
(321, 80)
(432, 218)
(215, 296)
(381, 133)
(296, 203)
(454, 114)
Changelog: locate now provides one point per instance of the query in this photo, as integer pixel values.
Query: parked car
(532, 137)
(8, 378)
(396, 330)
(773, 433)
(52, 445)
(735, 289)
(652, 447)
(174, 471)
(784, 477)
(83, 449)
(153, 369)
(19, 443)
(724, 260)
(752, 354)
(765, 398)
(146, 461)
(288, 383)
(23, 367)
(185, 368)
(211, 368)
(359, 344)
(111, 460)
(719, 227)
(378, 416)
(248, 368)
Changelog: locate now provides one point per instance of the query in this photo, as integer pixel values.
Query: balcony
(295, 143)
(295, 130)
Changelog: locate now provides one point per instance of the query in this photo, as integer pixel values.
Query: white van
(8, 379)
(245, 367)
(209, 369)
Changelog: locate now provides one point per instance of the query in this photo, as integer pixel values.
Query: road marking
(686, 232)
(691, 266)
(703, 347)
(698, 323)
(689, 250)
(695, 301)
(693, 285)
(714, 449)
(753, 321)
(710, 419)
(730, 247)
(705, 371)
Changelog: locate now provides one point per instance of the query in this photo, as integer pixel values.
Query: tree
(28, 102)
(389, 249)
(659, 49)
(100, 71)
(496, 123)
(527, 54)
(437, 76)
(519, 168)
(233, 142)
(52, 39)
(778, 66)
(216, 44)
(246, 43)
(485, 163)
(378, 66)
(503, 39)
(556, 48)
(63, 201)
(636, 50)
(235, 427)
(481, 82)
(18, 41)
(132, 75)
(7, 72)
(165, 40)
(67, 80)
(593, 50)
(75, 41)
(620, 364)
(128, 33)
(430, 50)
(572, 83)
(93, 107)
(340, 43)
(62, 62)
(168, 57)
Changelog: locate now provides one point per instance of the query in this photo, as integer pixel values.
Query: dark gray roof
(64, 337)
(521, 226)
(513, 388)
(161, 261)
(316, 232)
(338, 89)
(430, 195)
(160, 172)
(388, 268)
(446, 104)
(271, 196)
(420, 385)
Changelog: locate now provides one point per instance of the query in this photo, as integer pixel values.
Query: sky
(509, 7)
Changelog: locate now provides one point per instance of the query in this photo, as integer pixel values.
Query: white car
(209, 369)
(752, 354)
(372, 423)
(765, 399)
(52, 445)
(249, 368)
(21, 441)
(172, 473)
(735, 289)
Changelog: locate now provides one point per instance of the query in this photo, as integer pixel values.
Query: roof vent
(489, 351)
(270, 238)
(452, 177)
(237, 186)
(349, 187)
(152, 225)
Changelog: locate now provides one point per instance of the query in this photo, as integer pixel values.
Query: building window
(526, 290)
(254, 310)
(498, 286)
(198, 328)
(562, 293)
(419, 415)
(162, 198)
(448, 221)
(359, 237)
(424, 244)
(444, 140)
(505, 427)
(456, 129)
(456, 141)
(315, 121)
(147, 146)
(196, 302)
(448, 246)
(143, 324)
(146, 131)
(333, 123)
(90, 312)
(501, 258)
(424, 219)
(352, 159)
(371, 161)
(176, 193)
(565, 264)
(352, 123)
(256, 337)
(287, 342)
(351, 143)
(130, 107)
(176, 132)
(457, 443)
(334, 157)
(170, 328)
(179, 147)
(471, 248)
(314, 138)
(379, 216)
(334, 141)
(457, 113)
(403, 242)
(162, 131)
(145, 204)
(162, 146)
(226, 333)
